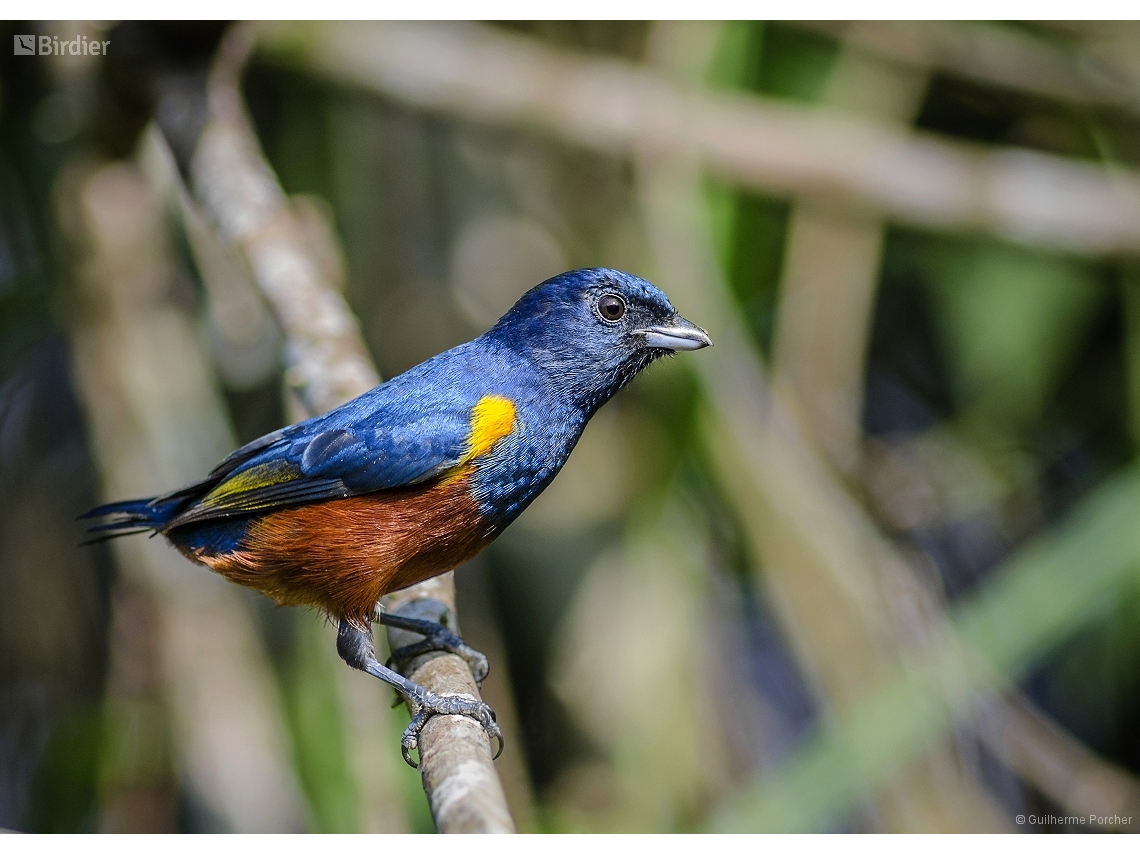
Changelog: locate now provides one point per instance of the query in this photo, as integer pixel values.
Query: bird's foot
(354, 644)
(436, 637)
(430, 704)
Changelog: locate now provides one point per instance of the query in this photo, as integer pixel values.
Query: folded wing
(316, 460)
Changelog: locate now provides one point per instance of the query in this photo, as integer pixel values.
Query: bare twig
(326, 360)
(831, 273)
(328, 364)
(245, 344)
(777, 147)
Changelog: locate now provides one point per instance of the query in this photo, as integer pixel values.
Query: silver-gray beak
(678, 334)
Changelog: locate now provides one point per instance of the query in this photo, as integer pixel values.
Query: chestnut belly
(342, 555)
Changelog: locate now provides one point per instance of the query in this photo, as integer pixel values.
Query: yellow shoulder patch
(491, 419)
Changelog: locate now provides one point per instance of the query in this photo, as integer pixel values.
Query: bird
(420, 473)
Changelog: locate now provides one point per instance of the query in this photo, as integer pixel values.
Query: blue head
(591, 331)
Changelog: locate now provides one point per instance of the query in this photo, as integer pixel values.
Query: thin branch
(326, 360)
(776, 147)
(327, 364)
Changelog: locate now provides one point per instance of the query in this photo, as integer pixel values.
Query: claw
(433, 704)
(410, 740)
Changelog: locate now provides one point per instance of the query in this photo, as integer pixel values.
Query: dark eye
(611, 307)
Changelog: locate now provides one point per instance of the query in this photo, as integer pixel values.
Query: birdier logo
(52, 46)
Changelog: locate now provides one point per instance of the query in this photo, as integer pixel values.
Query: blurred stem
(1063, 768)
(823, 322)
(320, 743)
(1129, 281)
(831, 269)
(642, 663)
(138, 790)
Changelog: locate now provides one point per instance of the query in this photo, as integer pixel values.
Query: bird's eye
(611, 307)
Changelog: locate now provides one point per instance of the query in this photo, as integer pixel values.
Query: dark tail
(133, 517)
(155, 514)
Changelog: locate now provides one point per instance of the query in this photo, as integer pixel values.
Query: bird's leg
(355, 647)
(436, 637)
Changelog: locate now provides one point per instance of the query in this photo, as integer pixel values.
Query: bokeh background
(872, 563)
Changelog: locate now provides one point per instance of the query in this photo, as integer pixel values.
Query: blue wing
(320, 462)
(407, 431)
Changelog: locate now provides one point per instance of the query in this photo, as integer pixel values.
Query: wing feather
(316, 465)
(256, 499)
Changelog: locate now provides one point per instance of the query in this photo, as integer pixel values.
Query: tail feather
(156, 513)
(104, 537)
(133, 507)
(131, 517)
(125, 525)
